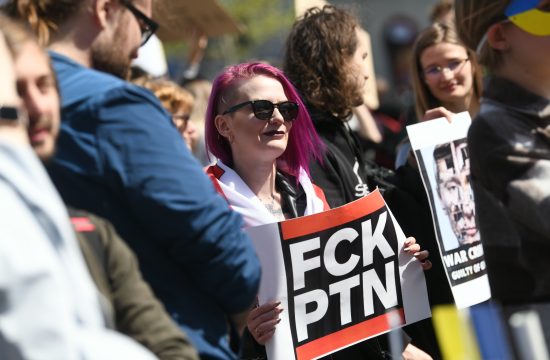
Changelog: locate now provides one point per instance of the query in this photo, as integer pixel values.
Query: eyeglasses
(434, 72)
(181, 120)
(147, 25)
(263, 109)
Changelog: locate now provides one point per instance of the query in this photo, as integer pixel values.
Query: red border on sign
(294, 228)
(347, 336)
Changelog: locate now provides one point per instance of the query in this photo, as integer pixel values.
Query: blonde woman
(178, 102)
(445, 73)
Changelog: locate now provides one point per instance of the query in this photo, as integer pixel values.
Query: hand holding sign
(444, 163)
(412, 248)
(262, 321)
(437, 113)
(339, 275)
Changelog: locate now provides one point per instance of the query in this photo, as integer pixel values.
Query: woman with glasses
(178, 102)
(445, 74)
(259, 129)
(446, 79)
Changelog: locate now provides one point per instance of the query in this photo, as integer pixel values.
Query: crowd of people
(115, 243)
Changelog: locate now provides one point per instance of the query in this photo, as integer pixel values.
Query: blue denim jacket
(120, 156)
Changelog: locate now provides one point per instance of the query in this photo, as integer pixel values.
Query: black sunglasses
(263, 109)
(147, 25)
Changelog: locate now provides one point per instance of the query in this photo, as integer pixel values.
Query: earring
(231, 138)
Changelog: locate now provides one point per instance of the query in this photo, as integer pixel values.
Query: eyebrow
(453, 179)
(454, 58)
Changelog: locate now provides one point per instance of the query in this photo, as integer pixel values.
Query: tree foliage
(262, 20)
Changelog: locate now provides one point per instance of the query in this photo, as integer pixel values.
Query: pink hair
(303, 141)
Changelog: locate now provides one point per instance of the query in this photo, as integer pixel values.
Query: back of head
(435, 34)
(303, 142)
(44, 16)
(318, 49)
(473, 19)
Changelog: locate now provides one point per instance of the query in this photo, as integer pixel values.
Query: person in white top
(49, 307)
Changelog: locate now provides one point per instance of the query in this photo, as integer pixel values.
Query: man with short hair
(120, 156)
(132, 308)
(49, 307)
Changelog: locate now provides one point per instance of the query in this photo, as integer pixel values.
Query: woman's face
(448, 73)
(191, 135)
(187, 130)
(250, 138)
(358, 65)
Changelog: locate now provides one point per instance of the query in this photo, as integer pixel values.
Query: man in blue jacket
(120, 156)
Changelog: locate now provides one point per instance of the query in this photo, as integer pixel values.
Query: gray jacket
(49, 306)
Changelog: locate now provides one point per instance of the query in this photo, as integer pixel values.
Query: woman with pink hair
(260, 131)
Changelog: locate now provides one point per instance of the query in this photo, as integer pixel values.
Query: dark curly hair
(318, 49)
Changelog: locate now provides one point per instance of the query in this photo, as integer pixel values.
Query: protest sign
(340, 275)
(443, 159)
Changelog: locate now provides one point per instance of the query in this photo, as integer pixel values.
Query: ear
(223, 126)
(103, 11)
(496, 37)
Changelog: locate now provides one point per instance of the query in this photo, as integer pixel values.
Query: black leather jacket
(509, 144)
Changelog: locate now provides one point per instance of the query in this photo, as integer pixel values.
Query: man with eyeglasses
(120, 156)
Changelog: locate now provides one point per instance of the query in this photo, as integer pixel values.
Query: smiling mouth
(450, 87)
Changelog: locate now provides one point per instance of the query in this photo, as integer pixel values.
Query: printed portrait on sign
(447, 167)
(452, 176)
(441, 150)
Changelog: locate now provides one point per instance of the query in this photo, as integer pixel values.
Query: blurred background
(261, 27)
(198, 38)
